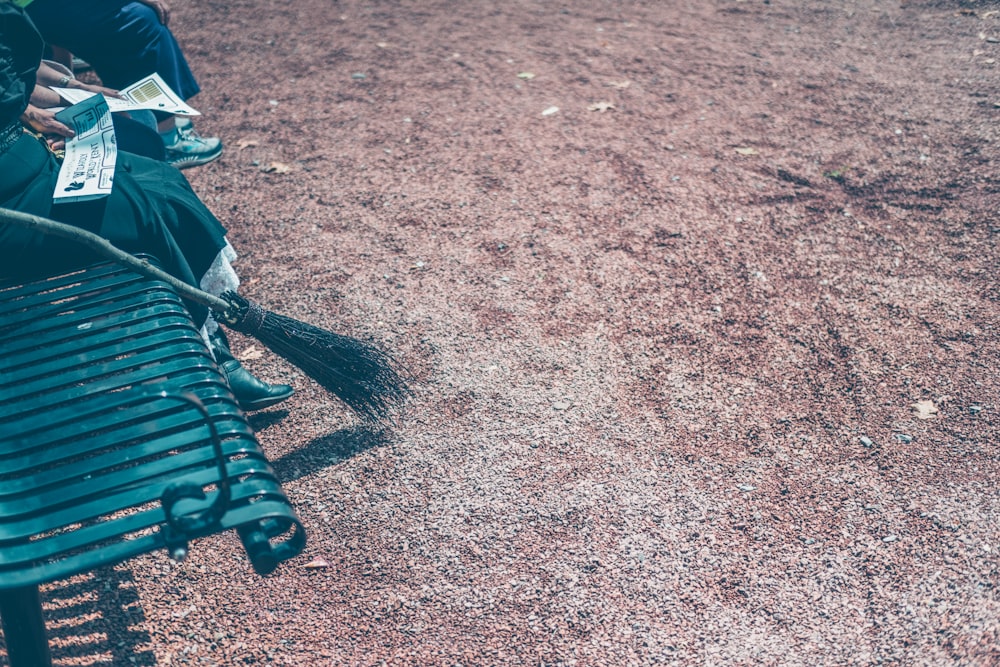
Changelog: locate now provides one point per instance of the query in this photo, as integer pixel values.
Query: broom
(365, 378)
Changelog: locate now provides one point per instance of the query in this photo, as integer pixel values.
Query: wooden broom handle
(104, 247)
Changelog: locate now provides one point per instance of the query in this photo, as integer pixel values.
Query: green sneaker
(190, 149)
(185, 128)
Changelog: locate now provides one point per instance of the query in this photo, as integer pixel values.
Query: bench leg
(24, 627)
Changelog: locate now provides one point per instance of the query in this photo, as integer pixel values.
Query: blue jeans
(123, 41)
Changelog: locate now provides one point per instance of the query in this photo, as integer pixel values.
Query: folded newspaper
(88, 170)
(151, 93)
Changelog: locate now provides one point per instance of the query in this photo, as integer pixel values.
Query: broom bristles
(364, 377)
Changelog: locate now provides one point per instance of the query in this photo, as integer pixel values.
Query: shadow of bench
(118, 437)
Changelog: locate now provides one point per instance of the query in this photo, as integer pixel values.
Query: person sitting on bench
(135, 132)
(124, 41)
(151, 209)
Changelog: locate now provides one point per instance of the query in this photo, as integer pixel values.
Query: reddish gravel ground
(706, 360)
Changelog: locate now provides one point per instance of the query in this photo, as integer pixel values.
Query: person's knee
(140, 23)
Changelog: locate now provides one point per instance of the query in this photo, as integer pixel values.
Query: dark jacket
(151, 209)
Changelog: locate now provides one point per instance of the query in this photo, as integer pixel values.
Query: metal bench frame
(118, 437)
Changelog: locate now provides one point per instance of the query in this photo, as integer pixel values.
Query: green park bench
(118, 437)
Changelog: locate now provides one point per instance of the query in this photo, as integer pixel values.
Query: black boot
(251, 393)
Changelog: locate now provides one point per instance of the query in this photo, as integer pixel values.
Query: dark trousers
(152, 210)
(123, 41)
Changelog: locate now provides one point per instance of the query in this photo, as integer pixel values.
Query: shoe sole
(260, 404)
(188, 161)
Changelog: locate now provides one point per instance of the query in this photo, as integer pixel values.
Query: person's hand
(56, 143)
(49, 77)
(44, 121)
(160, 8)
(91, 88)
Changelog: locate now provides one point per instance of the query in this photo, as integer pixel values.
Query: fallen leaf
(526, 75)
(924, 409)
(317, 563)
(600, 106)
(247, 143)
(550, 111)
(251, 352)
(276, 168)
(620, 84)
(744, 150)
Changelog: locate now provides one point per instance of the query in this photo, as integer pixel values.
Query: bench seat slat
(117, 374)
(273, 514)
(89, 414)
(88, 444)
(49, 448)
(42, 497)
(22, 302)
(88, 510)
(89, 316)
(165, 322)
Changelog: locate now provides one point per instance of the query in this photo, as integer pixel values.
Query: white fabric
(219, 278)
